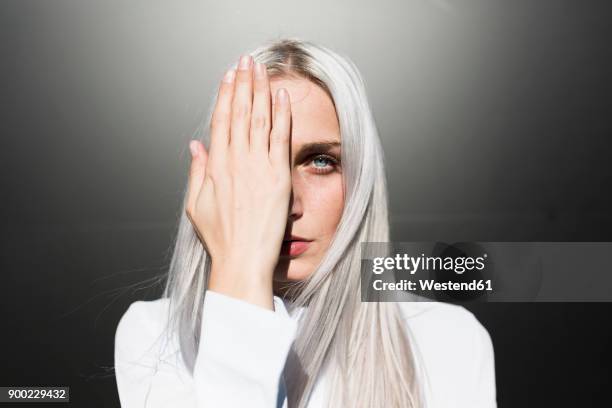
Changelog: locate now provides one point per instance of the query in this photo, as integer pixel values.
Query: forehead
(312, 111)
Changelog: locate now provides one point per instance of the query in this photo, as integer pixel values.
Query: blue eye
(323, 163)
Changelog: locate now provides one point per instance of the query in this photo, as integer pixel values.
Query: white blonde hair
(366, 344)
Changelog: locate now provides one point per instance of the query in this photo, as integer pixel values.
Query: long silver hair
(371, 363)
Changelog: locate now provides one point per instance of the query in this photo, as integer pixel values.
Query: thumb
(197, 172)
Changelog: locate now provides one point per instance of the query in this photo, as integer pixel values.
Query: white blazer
(243, 349)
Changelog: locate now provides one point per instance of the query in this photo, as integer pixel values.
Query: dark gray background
(495, 118)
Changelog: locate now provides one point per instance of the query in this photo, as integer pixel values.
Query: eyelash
(334, 162)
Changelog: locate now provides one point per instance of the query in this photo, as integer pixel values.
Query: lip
(295, 245)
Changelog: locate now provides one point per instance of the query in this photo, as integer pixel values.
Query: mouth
(294, 245)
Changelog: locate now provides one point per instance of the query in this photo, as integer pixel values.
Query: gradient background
(495, 117)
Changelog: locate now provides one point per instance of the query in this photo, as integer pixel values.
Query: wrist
(244, 281)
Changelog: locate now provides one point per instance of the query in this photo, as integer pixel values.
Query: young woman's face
(317, 196)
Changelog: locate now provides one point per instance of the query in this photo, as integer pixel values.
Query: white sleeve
(485, 392)
(243, 348)
(242, 352)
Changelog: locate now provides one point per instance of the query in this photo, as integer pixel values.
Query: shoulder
(141, 327)
(143, 315)
(441, 320)
(148, 365)
(453, 349)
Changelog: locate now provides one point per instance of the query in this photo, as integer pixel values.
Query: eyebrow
(309, 148)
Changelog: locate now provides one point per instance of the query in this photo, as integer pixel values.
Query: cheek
(323, 201)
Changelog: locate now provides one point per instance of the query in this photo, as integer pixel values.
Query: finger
(241, 105)
(260, 116)
(197, 172)
(221, 118)
(281, 129)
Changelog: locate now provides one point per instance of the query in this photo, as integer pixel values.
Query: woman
(262, 303)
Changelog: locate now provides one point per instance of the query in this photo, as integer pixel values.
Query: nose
(295, 206)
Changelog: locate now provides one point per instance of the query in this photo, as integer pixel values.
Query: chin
(293, 269)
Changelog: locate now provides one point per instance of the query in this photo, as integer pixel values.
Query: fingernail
(282, 95)
(259, 70)
(229, 76)
(194, 148)
(245, 62)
